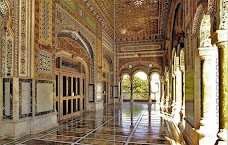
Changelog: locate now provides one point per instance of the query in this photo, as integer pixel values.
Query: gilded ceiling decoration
(137, 20)
(131, 19)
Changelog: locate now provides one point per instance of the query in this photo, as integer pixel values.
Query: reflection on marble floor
(120, 125)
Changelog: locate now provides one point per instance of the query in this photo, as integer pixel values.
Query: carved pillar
(208, 99)
(131, 80)
(173, 94)
(162, 91)
(220, 38)
(182, 111)
(167, 93)
(149, 95)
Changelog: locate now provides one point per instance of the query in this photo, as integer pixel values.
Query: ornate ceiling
(133, 20)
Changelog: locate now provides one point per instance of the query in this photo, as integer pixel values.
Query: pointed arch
(197, 20)
(155, 70)
(109, 61)
(173, 62)
(79, 38)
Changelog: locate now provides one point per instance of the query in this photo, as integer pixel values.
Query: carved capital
(219, 36)
(207, 52)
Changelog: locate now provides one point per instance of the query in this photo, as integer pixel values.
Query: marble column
(120, 89)
(1, 102)
(131, 80)
(167, 95)
(161, 90)
(208, 100)
(173, 95)
(178, 95)
(149, 95)
(220, 38)
(182, 111)
(223, 86)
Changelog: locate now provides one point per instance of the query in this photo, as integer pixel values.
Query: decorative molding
(219, 36)
(211, 7)
(15, 17)
(140, 54)
(155, 61)
(45, 22)
(3, 8)
(70, 23)
(9, 56)
(223, 15)
(70, 4)
(80, 39)
(23, 37)
(70, 65)
(140, 48)
(7, 39)
(197, 19)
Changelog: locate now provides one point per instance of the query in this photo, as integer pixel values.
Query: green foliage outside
(139, 86)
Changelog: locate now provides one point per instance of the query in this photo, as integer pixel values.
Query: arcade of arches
(64, 65)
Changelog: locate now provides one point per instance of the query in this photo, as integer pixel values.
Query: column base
(31, 125)
(132, 100)
(149, 102)
(177, 116)
(222, 135)
(221, 143)
(207, 135)
(121, 101)
(95, 106)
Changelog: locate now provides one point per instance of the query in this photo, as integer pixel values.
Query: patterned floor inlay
(127, 124)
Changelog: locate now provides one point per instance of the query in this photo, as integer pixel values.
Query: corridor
(119, 125)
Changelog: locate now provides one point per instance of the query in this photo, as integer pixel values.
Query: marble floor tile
(136, 124)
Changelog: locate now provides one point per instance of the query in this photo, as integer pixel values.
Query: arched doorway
(140, 86)
(73, 74)
(155, 87)
(106, 70)
(125, 87)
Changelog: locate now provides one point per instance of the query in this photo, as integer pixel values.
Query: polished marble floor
(125, 124)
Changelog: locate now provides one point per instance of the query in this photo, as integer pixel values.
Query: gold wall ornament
(123, 30)
(138, 2)
(6, 11)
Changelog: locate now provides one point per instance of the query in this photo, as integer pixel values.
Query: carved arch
(176, 34)
(155, 70)
(123, 72)
(137, 68)
(109, 61)
(79, 38)
(173, 59)
(6, 12)
(197, 20)
(136, 71)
